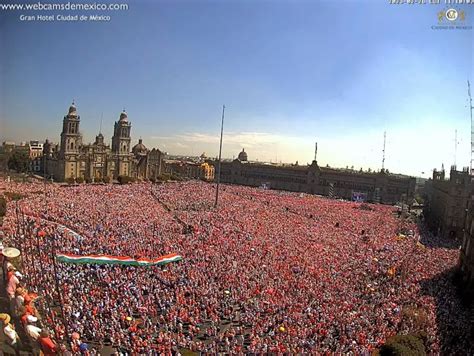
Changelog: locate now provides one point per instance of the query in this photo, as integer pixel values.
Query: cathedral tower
(71, 138)
(71, 142)
(121, 145)
(121, 138)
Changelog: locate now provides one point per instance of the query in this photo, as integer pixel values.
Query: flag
(117, 260)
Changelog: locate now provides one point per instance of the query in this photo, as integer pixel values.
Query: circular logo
(452, 14)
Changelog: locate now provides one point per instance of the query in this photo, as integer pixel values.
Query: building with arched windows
(98, 161)
(382, 187)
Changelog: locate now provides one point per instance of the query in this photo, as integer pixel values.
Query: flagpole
(220, 155)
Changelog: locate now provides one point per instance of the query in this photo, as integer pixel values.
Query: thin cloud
(243, 139)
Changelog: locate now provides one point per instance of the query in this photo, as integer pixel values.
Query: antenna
(472, 124)
(455, 146)
(383, 151)
(315, 151)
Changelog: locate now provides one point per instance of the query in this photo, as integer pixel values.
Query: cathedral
(98, 161)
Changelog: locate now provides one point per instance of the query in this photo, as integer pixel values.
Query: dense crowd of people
(22, 304)
(265, 271)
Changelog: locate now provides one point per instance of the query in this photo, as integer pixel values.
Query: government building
(71, 159)
(449, 213)
(381, 187)
(466, 257)
(448, 201)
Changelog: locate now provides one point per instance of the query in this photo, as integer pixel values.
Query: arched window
(71, 146)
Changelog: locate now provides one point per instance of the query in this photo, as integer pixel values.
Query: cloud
(244, 139)
(264, 146)
(411, 149)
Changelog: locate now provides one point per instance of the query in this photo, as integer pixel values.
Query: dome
(46, 146)
(123, 116)
(99, 139)
(139, 149)
(242, 155)
(72, 109)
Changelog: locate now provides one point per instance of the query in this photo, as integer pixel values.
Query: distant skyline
(289, 72)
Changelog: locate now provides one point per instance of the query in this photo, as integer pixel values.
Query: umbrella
(11, 252)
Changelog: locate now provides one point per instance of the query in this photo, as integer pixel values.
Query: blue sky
(290, 73)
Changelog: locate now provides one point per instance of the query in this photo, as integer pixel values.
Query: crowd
(266, 271)
(22, 304)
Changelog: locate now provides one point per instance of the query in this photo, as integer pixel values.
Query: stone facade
(466, 257)
(447, 203)
(72, 159)
(193, 170)
(338, 183)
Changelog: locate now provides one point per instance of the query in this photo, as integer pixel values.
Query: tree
(125, 179)
(402, 345)
(19, 161)
(3, 206)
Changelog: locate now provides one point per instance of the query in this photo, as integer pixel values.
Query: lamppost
(220, 155)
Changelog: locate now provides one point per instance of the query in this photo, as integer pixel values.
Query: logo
(451, 19)
(451, 15)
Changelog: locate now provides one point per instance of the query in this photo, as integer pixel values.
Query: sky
(290, 73)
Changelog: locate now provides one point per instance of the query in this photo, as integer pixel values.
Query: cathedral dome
(242, 156)
(72, 109)
(123, 116)
(99, 139)
(139, 149)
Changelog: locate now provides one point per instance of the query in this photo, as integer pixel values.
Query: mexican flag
(117, 260)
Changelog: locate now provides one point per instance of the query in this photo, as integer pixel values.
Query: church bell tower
(71, 143)
(71, 138)
(121, 145)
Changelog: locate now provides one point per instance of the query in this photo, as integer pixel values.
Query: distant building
(188, 169)
(242, 157)
(8, 146)
(155, 163)
(36, 149)
(36, 156)
(381, 186)
(72, 159)
(466, 257)
(447, 202)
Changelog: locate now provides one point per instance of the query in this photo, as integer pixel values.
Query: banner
(117, 260)
(359, 197)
